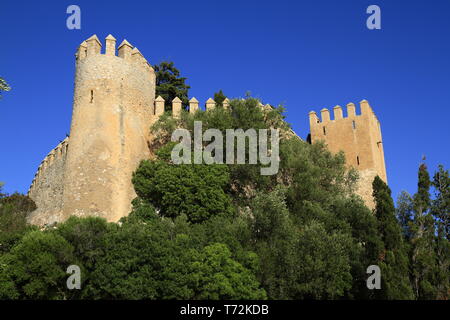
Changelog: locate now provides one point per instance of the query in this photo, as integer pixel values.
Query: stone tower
(359, 136)
(89, 172)
(112, 111)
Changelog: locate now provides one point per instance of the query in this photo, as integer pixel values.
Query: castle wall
(46, 189)
(359, 136)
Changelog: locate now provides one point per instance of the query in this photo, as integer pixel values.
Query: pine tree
(440, 210)
(219, 97)
(393, 259)
(405, 214)
(441, 204)
(169, 84)
(423, 258)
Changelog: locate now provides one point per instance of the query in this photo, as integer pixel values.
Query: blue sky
(306, 55)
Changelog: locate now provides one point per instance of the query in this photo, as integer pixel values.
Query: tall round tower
(112, 111)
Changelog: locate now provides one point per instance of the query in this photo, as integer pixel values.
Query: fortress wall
(364, 186)
(46, 189)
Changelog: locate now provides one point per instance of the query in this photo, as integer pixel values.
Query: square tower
(359, 137)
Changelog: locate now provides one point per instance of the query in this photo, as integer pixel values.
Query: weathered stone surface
(359, 136)
(112, 113)
(193, 105)
(48, 185)
(210, 104)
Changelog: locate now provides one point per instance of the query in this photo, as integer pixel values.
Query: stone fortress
(359, 136)
(114, 105)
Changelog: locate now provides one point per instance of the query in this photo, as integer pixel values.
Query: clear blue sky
(304, 54)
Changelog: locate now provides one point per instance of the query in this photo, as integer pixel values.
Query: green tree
(318, 190)
(142, 211)
(385, 214)
(298, 261)
(405, 214)
(323, 270)
(13, 225)
(87, 237)
(441, 203)
(423, 258)
(393, 259)
(216, 275)
(3, 86)
(219, 97)
(317, 178)
(195, 190)
(36, 267)
(440, 209)
(130, 265)
(169, 84)
(274, 239)
(243, 114)
(156, 260)
(351, 216)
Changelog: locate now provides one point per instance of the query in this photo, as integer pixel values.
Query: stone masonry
(359, 136)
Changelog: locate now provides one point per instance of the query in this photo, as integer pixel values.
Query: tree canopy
(224, 231)
(170, 84)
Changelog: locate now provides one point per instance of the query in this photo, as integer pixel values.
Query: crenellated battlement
(176, 105)
(359, 136)
(57, 153)
(92, 47)
(338, 114)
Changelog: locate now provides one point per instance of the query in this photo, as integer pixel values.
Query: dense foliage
(219, 98)
(424, 221)
(170, 84)
(224, 231)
